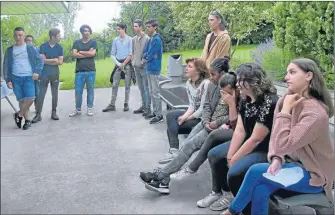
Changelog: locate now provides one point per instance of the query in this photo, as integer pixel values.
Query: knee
(213, 156)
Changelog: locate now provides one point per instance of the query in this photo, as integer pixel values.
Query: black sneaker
(150, 116)
(37, 118)
(27, 124)
(145, 113)
(138, 111)
(159, 186)
(110, 107)
(125, 107)
(156, 119)
(147, 177)
(18, 120)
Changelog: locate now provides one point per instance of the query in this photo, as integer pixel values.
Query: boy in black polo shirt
(52, 54)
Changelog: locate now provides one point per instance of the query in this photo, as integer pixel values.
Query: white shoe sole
(158, 190)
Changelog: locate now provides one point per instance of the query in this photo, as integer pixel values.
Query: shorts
(23, 87)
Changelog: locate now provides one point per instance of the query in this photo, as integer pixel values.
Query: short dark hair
(122, 26)
(31, 36)
(139, 22)
(220, 65)
(54, 32)
(19, 29)
(152, 22)
(85, 26)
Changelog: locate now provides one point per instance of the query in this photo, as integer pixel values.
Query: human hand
(275, 166)
(291, 101)
(231, 161)
(181, 120)
(10, 85)
(228, 98)
(208, 128)
(225, 126)
(35, 76)
(213, 125)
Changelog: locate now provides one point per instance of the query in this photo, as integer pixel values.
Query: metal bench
(175, 97)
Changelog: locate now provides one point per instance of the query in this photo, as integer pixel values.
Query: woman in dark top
(230, 161)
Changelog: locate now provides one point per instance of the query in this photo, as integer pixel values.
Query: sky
(96, 14)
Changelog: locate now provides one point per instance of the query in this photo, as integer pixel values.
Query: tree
(67, 19)
(306, 29)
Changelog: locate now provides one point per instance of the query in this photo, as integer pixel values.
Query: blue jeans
(231, 179)
(23, 87)
(81, 79)
(257, 189)
(143, 86)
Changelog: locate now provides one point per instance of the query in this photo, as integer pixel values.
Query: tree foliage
(306, 29)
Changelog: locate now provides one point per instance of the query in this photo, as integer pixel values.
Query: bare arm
(76, 54)
(89, 53)
(52, 61)
(259, 132)
(238, 138)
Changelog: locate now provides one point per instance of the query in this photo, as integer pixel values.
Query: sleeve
(130, 47)
(190, 99)
(7, 76)
(155, 46)
(61, 52)
(39, 61)
(75, 45)
(224, 48)
(94, 44)
(207, 111)
(267, 109)
(198, 112)
(41, 51)
(205, 50)
(113, 51)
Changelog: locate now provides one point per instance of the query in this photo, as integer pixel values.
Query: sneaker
(149, 116)
(110, 107)
(148, 177)
(37, 118)
(208, 200)
(156, 119)
(89, 112)
(18, 120)
(54, 115)
(138, 111)
(169, 156)
(125, 107)
(181, 174)
(75, 113)
(27, 124)
(159, 186)
(222, 203)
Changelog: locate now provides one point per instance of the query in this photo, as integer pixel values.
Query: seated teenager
(229, 100)
(181, 121)
(300, 138)
(212, 118)
(230, 161)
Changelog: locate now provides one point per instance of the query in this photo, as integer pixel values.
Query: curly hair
(200, 66)
(257, 79)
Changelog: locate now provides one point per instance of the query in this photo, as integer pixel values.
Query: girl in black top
(230, 161)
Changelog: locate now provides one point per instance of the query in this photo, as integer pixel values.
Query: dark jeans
(173, 128)
(215, 138)
(44, 83)
(231, 179)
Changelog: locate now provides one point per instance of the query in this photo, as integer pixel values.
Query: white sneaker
(169, 156)
(90, 112)
(75, 113)
(181, 174)
(208, 200)
(223, 203)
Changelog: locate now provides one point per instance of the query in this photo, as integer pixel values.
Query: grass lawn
(105, 67)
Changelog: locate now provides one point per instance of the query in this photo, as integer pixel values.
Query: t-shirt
(85, 64)
(260, 111)
(21, 64)
(211, 41)
(50, 52)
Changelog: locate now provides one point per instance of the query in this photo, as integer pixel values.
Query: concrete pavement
(89, 164)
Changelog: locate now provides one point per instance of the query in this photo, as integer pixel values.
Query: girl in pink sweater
(299, 138)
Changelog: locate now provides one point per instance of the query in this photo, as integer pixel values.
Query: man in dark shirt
(84, 51)
(52, 54)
